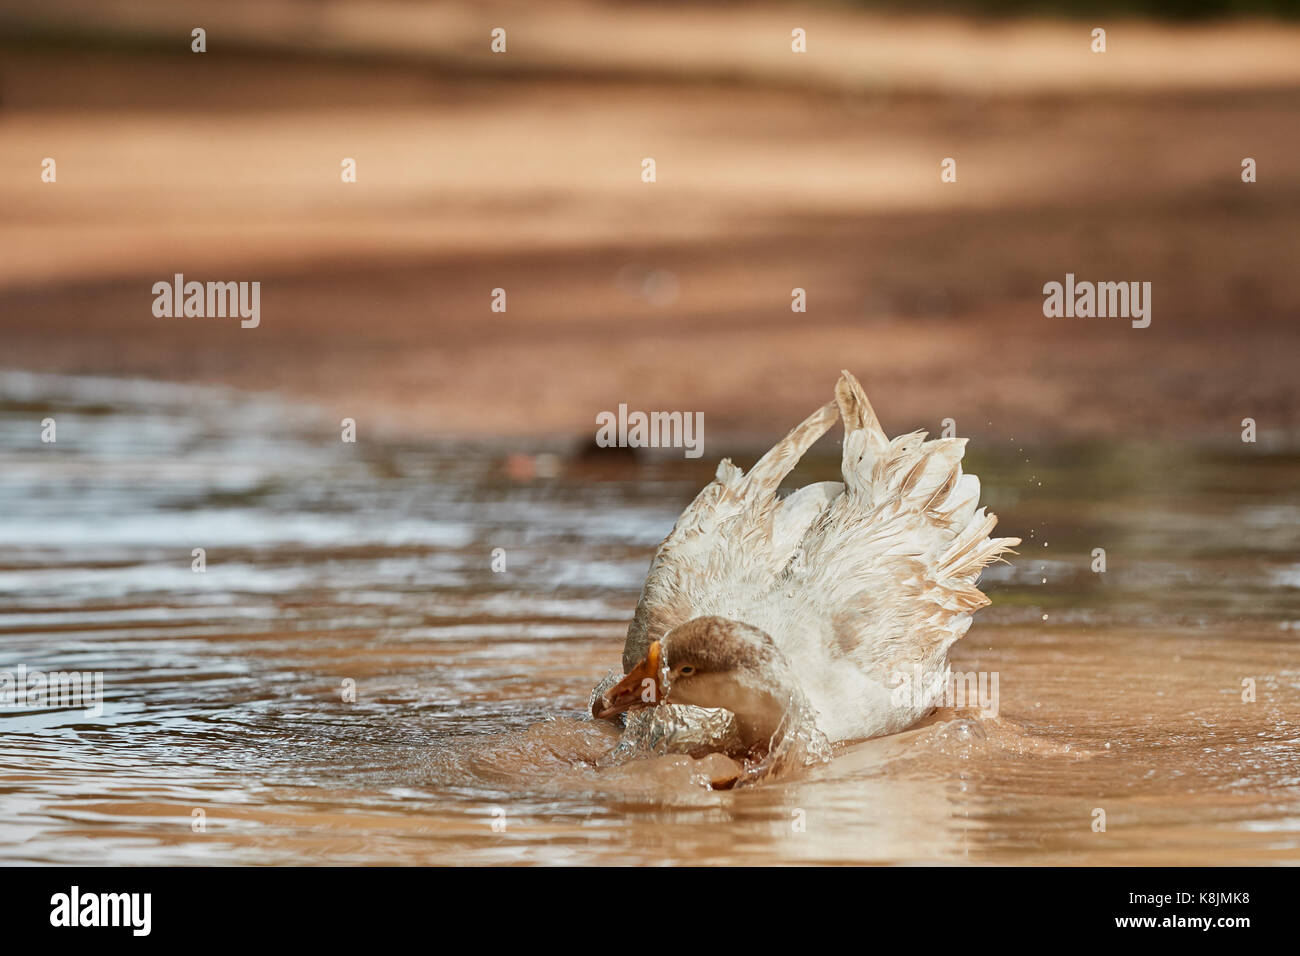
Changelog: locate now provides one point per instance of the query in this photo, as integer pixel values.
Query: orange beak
(640, 687)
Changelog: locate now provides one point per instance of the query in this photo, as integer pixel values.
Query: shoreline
(52, 393)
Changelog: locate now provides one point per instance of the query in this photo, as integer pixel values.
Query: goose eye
(687, 670)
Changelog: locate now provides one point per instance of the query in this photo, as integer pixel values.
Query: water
(225, 736)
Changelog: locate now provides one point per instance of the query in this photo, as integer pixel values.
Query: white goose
(769, 627)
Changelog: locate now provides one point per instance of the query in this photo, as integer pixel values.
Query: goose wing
(731, 542)
(885, 576)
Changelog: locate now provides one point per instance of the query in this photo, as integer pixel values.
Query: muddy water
(225, 736)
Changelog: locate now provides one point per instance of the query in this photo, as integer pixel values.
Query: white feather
(854, 582)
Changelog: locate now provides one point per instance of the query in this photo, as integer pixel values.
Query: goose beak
(640, 686)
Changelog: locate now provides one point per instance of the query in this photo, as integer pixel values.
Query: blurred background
(775, 170)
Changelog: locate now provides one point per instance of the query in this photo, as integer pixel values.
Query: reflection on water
(225, 736)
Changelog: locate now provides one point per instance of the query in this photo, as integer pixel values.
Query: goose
(773, 628)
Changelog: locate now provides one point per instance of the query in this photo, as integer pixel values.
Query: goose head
(712, 662)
